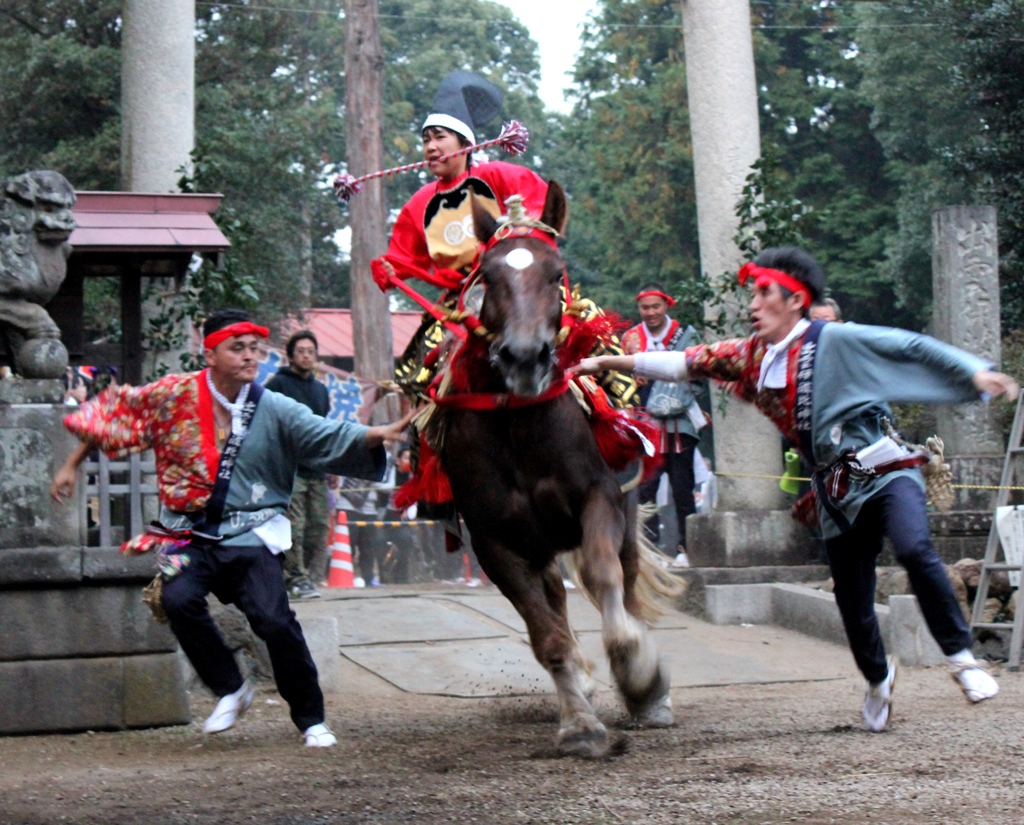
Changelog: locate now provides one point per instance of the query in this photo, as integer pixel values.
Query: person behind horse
(226, 455)
(433, 234)
(826, 386)
(656, 332)
(826, 309)
(308, 509)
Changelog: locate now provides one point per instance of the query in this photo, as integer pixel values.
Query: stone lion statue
(35, 223)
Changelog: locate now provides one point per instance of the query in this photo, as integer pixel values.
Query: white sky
(555, 25)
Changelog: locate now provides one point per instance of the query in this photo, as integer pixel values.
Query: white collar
(773, 368)
(655, 340)
(235, 407)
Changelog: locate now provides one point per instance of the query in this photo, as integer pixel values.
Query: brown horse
(530, 483)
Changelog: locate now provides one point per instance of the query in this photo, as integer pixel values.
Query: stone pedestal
(748, 538)
(78, 649)
(33, 443)
(965, 286)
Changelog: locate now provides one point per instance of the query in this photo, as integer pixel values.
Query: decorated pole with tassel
(513, 138)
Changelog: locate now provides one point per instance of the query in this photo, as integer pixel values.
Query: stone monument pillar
(157, 93)
(749, 528)
(965, 313)
(722, 95)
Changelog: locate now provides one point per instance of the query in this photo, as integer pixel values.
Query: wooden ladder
(1013, 475)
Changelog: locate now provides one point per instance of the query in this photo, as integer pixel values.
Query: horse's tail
(656, 589)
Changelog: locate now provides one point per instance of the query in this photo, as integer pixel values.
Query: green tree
(989, 75)
(626, 159)
(60, 89)
(816, 128)
(943, 79)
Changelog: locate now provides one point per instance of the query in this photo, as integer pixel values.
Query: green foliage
(943, 78)
(825, 162)
(60, 89)
(769, 215)
(269, 82)
(989, 75)
(627, 162)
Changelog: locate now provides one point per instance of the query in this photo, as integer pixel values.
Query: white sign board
(1010, 525)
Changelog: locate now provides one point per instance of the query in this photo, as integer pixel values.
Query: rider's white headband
(451, 123)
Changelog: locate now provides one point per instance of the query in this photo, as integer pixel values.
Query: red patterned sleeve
(120, 421)
(730, 362)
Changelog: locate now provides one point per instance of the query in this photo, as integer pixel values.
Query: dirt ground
(741, 754)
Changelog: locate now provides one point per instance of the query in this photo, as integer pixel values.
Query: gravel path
(742, 754)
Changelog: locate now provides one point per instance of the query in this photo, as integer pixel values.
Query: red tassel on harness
(621, 437)
(429, 483)
(584, 335)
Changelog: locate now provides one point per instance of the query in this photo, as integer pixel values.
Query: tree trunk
(364, 73)
(305, 254)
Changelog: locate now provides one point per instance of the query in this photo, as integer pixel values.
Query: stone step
(806, 610)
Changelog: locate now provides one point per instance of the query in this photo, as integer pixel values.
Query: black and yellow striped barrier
(423, 523)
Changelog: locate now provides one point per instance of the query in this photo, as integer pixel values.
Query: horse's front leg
(639, 673)
(539, 597)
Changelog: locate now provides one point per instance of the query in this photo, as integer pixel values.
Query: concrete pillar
(157, 93)
(726, 138)
(965, 313)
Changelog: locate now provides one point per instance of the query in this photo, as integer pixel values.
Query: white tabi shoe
(320, 736)
(229, 709)
(972, 677)
(878, 701)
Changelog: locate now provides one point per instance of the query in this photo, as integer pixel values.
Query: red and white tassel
(513, 138)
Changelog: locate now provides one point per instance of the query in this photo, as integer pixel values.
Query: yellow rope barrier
(423, 523)
(802, 478)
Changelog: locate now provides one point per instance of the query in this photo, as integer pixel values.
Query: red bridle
(507, 400)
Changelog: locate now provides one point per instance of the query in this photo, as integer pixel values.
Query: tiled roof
(333, 330)
(122, 221)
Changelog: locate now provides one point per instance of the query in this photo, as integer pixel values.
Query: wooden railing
(103, 488)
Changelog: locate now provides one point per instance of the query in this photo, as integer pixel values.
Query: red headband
(656, 294)
(241, 328)
(763, 275)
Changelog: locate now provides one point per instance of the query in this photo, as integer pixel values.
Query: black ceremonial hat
(464, 102)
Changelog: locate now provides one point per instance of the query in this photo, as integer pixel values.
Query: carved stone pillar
(965, 313)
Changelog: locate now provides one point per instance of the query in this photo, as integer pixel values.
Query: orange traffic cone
(340, 574)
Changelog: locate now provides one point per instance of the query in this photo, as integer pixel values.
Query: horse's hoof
(585, 737)
(657, 715)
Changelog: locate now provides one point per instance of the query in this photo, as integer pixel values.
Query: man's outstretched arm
(387, 433)
(996, 384)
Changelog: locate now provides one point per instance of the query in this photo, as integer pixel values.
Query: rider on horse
(433, 237)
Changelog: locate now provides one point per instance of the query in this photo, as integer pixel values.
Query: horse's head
(522, 299)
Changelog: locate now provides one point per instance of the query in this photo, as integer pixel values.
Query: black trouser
(250, 578)
(899, 511)
(679, 467)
